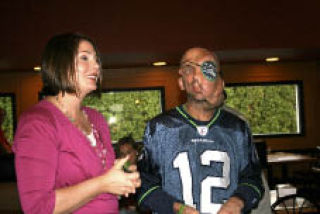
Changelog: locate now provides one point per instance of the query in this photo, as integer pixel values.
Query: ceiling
(136, 33)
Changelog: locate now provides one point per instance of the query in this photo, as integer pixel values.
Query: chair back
(261, 148)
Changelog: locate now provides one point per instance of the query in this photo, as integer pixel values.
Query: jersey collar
(202, 129)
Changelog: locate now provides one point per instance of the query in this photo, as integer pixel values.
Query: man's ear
(181, 85)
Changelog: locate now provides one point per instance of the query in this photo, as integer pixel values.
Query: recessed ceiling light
(37, 68)
(159, 63)
(272, 59)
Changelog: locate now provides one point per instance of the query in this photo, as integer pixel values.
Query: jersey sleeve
(150, 194)
(250, 188)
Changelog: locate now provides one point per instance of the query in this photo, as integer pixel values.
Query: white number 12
(182, 163)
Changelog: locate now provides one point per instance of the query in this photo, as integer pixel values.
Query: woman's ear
(181, 85)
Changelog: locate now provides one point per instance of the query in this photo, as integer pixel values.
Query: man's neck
(198, 111)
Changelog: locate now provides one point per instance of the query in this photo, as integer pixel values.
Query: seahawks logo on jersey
(202, 130)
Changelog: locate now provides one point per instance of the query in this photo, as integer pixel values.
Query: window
(128, 110)
(7, 103)
(272, 108)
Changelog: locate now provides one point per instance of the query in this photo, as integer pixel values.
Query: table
(287, 157)
(284, 159)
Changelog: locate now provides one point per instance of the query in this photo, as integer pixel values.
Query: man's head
(201, 77)
(128, 146)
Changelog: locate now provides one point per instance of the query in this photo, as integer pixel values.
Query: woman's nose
(96, 64)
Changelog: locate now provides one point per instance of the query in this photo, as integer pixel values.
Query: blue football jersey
(201, 164)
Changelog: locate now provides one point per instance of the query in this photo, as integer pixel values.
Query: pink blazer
(51, 153)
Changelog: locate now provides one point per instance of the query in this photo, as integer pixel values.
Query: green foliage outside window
(270, 109)
(127, 112)
(6, 103)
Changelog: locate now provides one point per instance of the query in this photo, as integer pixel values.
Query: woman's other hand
(118, 182)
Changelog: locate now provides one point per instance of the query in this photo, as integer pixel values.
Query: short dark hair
(58, 63)
(127, 140)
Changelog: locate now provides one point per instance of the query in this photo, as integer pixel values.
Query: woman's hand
(118, 182)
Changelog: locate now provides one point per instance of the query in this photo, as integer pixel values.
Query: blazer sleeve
(36, 162)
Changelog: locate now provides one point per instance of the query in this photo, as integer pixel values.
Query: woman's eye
(84, 57)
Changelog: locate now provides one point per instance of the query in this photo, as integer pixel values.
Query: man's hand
(186, 210)
(233, 206)
(190, 210)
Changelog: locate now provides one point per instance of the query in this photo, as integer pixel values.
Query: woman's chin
(88, 90)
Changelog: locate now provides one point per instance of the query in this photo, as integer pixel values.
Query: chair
(296, 203)
(309, 178)
(306, 197)
(261, 148)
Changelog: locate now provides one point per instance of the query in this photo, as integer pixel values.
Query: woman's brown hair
(58, 63)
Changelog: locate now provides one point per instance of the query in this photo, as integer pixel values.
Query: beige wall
(26, 85)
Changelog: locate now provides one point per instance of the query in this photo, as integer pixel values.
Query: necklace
(100, 148)
(94, 140)
(81, 122)
(202, 129)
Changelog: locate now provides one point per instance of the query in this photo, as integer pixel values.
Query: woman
(64, 158)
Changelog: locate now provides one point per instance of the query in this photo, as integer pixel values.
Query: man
(128, 146)
(197, 157)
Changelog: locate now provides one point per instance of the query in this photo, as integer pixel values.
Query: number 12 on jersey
(182, 163)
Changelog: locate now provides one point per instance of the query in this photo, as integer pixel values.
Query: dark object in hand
(126, 166)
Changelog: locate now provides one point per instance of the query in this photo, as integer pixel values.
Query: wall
(26, 85)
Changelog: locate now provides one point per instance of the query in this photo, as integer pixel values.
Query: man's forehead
(126, 146)
(197, 55)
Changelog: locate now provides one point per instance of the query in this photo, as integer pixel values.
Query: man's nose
(197, 75)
